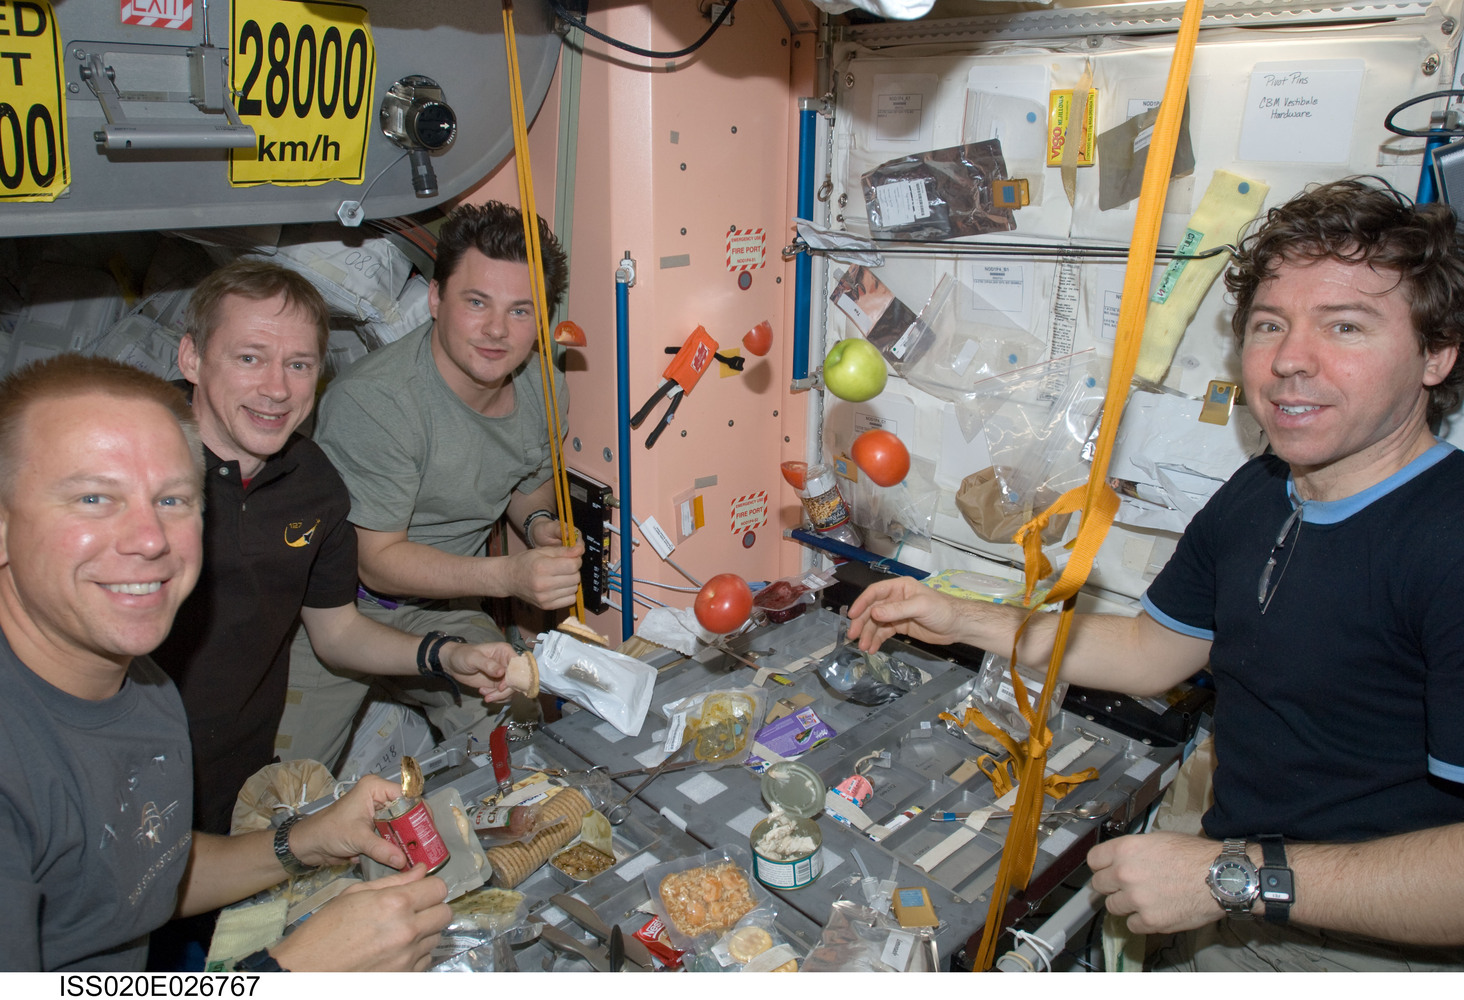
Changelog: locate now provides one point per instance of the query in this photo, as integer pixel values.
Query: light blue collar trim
(1336, 511)
(1451, 772)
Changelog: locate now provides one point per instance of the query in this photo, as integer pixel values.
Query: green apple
(855, 370)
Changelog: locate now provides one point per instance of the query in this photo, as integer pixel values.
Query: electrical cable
(668, 586)
(1045, 952)
(575, 22)
(1429, 133)
(667, 559)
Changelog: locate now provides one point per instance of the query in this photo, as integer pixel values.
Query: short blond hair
(68, 375)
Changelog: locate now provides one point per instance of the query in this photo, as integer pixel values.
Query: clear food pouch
(701, 898)
(612, 685)
(938, 195)
(720, 724)
(857, 939)
(1038, 423)
(995, 697)
(866, 678)
(755, 945)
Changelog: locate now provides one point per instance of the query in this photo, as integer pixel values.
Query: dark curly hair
(1364, 220)
(496, 231)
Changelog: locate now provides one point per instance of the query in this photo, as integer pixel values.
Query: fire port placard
(303, 75)
(34, 165)
(746, 249)
(749, 511)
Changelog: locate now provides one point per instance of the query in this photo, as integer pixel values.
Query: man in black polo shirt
(277, 547)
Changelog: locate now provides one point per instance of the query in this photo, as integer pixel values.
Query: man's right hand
(389, 925)
(902, 606)
(548, 577)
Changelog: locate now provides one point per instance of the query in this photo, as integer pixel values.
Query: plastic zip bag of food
(783, 600)
(700, 898)
(721, 723)
(857, 939)
(755, 945)
(498, 824)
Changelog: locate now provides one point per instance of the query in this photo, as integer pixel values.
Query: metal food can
(407, 822)
(788, 873)
(798, 792)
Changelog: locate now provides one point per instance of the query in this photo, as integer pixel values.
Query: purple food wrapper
(789, 737)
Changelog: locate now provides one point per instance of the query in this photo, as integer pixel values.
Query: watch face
(1234, 880)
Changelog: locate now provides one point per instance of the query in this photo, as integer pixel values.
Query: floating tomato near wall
(882, 457)
(723, 603)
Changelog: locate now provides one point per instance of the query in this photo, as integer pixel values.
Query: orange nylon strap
(1097, 501)
(541, 306)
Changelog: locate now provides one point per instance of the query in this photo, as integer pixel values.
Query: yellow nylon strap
(541, 305)
(1099, 504)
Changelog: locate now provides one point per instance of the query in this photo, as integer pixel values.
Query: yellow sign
(34, 165)
(303, 75)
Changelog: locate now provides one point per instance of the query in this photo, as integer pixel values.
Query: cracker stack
(513, 863)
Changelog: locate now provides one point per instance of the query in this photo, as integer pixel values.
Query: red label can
(408, 824)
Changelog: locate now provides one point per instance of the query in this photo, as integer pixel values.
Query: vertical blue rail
(803, 265)
(623, 279)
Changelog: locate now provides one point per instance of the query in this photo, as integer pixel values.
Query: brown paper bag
(979, 501)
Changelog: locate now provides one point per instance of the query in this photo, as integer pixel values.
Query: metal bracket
(204, 68)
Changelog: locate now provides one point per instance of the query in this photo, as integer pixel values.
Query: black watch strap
(1278, 888)
(259, 961)
(429, 654)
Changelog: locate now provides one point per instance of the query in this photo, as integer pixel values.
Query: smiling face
(255, 381)
(1335, 374)
(100, 537)
(484, 326)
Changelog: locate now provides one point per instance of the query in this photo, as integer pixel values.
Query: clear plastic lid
(794, 788)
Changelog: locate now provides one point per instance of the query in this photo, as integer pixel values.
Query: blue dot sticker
(1011, 359)
(1244, 187)
(1091, 381)
(1031, 116)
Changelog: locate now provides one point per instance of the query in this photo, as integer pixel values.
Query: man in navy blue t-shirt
(1323, 585)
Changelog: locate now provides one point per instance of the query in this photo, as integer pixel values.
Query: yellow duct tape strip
(1098, 502)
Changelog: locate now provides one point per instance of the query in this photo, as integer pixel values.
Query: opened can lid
(794, 788)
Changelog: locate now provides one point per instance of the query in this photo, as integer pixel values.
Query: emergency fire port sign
(749, 511)
(746, 249)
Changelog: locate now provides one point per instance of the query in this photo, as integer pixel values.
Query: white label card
(1301, 112)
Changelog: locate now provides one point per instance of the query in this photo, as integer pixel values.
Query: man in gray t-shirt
(437, 436)
(101, 540)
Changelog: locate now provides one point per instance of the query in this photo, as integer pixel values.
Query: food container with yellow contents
(700, 898)
(787, 847)
(720, 725)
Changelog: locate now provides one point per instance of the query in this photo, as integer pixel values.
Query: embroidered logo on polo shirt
(304, 537)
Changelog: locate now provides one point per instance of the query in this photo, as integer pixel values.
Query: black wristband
(1278, 888)
(259, 961)
(429, 654)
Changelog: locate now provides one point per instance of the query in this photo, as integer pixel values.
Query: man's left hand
(1157, 880)
(346, 828)
(483, 667)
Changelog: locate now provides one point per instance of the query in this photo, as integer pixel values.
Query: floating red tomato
(569, 334)
(796, 473)
(759, 339)
(883, 457)
(723, 603)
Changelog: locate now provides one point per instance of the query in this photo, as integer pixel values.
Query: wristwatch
(1278, 889)
(529, 524)
(292, 864)
(259, 961)
(1234, 881)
